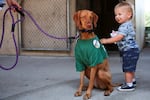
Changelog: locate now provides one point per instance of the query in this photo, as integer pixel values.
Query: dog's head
(85, 19)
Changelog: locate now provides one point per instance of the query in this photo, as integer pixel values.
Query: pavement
(55, 78)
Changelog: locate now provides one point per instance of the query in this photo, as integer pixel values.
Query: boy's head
(123, 12)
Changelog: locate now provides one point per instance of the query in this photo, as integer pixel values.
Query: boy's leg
(129, 66)
(128, 85)
(134, 80)
(129, 78)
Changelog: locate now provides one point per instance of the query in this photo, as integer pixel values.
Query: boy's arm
(112, 39)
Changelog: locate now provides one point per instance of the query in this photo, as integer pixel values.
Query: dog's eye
(85, 17)
(91, 17)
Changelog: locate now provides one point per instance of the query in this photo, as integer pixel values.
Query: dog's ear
(95, 19)
(76, 19)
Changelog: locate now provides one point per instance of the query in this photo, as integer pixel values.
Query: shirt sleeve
(123, 29)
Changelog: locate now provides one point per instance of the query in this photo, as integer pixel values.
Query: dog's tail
(116, 84)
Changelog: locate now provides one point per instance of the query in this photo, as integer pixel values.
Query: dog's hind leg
(104, 82)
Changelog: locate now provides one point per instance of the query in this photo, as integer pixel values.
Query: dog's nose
(89, 25)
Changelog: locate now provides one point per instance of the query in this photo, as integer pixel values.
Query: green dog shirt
(89, 53)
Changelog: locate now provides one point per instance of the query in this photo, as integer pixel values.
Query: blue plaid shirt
(2, 1)
(128, 41)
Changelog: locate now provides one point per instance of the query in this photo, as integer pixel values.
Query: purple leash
(51, 36)
(12, 31)
(13, 28)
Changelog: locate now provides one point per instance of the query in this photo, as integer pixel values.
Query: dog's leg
(104, 80)
(79, 91)
(91, 83)
(108, 79)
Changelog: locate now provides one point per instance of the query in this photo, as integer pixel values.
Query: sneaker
(125, 88)
(134, 83)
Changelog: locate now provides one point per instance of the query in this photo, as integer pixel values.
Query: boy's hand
(103, 41)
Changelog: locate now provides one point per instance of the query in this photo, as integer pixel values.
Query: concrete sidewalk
(55, 78)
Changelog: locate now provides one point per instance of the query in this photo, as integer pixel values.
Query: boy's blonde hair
(128, 6)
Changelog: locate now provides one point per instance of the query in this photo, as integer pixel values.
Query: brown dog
(90, 55)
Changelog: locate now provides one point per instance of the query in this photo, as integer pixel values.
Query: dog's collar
(89, 31)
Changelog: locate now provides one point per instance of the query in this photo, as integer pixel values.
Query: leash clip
(71, 39)
(13, 28)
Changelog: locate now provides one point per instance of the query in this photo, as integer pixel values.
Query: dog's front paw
(86, 96)
(78, 93)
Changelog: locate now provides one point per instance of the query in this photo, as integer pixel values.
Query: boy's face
(122, 14)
